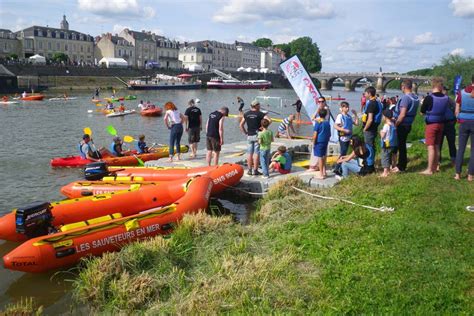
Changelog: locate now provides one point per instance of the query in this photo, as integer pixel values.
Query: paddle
(129, 139)
(112, 131)
(88, 131)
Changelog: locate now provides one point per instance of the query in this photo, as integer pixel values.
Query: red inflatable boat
(98, 235)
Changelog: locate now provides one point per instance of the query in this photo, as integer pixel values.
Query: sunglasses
(321, 101)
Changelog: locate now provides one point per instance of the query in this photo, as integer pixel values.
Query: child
(285, 126)
(142, 148)
(344, 122)
(321, 136)
(265, 139)
(389, 142)
(281, 161)
(121, 108)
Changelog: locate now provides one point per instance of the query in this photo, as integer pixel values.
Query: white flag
(304, 87)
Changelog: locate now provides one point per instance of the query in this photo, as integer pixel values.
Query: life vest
(377, 117)
(346, 124)
(140, 146)
(437, 113)
(467, 107)
(411, 111)
(112, 149)
(392, 140)
(83, 154)
(288, 161)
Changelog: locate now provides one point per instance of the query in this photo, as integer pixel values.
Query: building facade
(9, 44)
(114, 46)
(167, 53)
(196, 53)
(145, 46)
(225, 56)
(270, 58)
(250, 55)
(46, 41)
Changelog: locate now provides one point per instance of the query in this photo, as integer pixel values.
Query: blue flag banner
(457, 84)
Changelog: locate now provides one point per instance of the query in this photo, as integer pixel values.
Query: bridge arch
(356, 80)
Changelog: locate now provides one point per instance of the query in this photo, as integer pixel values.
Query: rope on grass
(380, 209)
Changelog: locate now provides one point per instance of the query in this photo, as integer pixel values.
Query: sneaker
(257, 173)
(250, 172)
(338, 177)
(265, 177)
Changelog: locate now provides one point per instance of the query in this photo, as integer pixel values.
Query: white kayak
(62, 99)
(126, 112)
(8, 102)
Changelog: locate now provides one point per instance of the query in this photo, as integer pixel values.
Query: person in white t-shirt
(174, 121)
(344, 124)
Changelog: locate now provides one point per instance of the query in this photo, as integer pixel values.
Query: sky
(352, 35)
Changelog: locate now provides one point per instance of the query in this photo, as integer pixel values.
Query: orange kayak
(99, 235)
(157, 111)
(37, 97)
(135, 199)
(160, 173)
(79, 189)
(160, 152)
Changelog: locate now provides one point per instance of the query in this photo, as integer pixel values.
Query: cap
(116, 139)
(225, 110)
(254, 103)
(197, 101)
(86, 136)
(387, 113)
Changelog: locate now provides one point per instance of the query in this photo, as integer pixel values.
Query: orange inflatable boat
(79, 189)
(14, 226)
(94, 237)
(160, 173)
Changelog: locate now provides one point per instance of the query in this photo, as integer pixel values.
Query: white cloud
(122, 8)
(458, 51)
(426, 38)
(363, 41)
(240, 11)
(463, 8)
(397, 42)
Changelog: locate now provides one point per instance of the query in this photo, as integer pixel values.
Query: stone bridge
(380, 80)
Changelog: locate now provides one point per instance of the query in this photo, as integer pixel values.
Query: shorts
(280, 169)
(253, 147)
(434, 134)
(386, 158)
(213, 144)
(320, 149)
(194, 135)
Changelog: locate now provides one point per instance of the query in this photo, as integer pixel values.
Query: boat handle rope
(380, 209)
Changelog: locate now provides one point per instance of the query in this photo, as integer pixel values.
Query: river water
(34, 132)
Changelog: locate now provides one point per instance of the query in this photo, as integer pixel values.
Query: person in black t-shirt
(193, 117)
(371, 118)
(253, 119)
(215, 134)
(241, 104)
(298, 104)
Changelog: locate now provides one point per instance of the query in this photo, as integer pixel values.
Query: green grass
(302, 255)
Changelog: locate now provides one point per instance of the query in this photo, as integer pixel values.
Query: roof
(5, 30)
(4, 72)
(201, 46)
(29, 31)
(141, 36)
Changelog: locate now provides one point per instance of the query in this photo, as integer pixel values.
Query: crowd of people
(396, 115)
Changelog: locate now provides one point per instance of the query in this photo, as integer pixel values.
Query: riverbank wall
(87, 78)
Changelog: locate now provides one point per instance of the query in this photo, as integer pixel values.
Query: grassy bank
(304, 255)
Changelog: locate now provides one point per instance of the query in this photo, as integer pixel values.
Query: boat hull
(165, 87)
(213, 85)
(64, 249)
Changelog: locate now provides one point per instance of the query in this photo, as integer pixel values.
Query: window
(82, 49)
(49, 45)
(65, 47)
(58, 46)
(53, 35)
(120, 53)
(61, 35)
(88, 49)
(192, 57)
(40, 45)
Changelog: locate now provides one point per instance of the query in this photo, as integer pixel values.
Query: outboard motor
(96, 171)
(34, 220)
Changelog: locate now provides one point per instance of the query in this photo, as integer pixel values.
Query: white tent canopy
(240, 69)
(113, 62)
(37, 59)
(195, 67)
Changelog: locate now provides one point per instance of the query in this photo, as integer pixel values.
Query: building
(250, 55)
(46, 41)
(270, 58)
(225, 56)
(167, 53)
(145, 46)
(9, 44)
(114, 46)
(196, 53)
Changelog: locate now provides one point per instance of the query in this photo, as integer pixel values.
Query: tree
(263, 42)
(60, 57)
(308, 53)
(13, 56)
(285, 48)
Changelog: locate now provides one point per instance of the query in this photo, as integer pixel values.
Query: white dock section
(257, 185)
